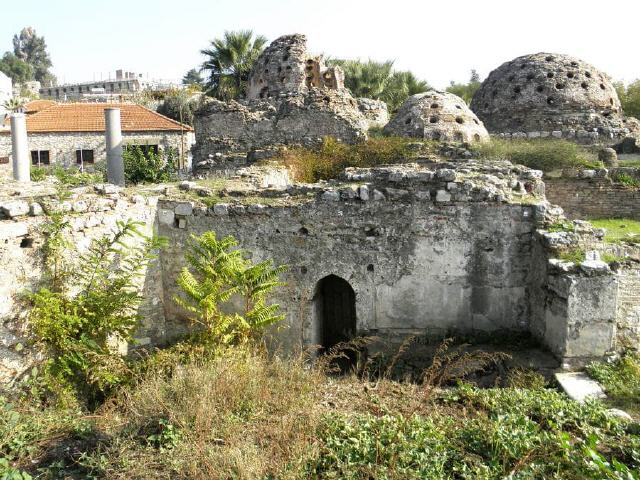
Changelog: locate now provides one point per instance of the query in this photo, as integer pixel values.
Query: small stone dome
(548, 92)
(438, 116)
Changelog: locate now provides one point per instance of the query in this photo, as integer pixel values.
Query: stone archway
(336, 311)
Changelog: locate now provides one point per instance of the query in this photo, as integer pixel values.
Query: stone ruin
(293, 99)
(552, 95)
(437, 115)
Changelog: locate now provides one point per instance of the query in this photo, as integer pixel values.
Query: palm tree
(15, 104)
(400, 86)
(229, 62)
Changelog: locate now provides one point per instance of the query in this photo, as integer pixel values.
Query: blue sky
(439, 41)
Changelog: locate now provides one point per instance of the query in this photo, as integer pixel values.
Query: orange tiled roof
(35, 106)
(89, 117)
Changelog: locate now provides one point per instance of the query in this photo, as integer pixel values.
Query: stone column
(113, 139)
(20, 148)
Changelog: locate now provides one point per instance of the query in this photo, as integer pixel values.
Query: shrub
(76, 331)
(621, 378)
(332, 157)
(148, 167)
(71, 177)
(39, 173)
(541, 154)
(217, 272)
(626, 180)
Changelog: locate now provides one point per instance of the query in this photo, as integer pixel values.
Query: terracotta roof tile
(34, 106)
(89, 117)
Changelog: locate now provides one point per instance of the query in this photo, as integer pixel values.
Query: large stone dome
(439, 116)
(548, 93)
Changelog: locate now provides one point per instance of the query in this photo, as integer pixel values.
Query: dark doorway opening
(337, 317)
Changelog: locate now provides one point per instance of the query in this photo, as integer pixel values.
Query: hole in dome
(476, 121)
(433, 120)
(279, 69)
(435, 105)
(574, 64)
(530, 76)
(550, 100)
(494, 93)
(587, 74)
(458, 107)
(606, 114)
(602, 87)
(407, 121)
(522, 67)
(559, 86)
(285, 58)
(539, 89)
(611, 101)
(476, 137)
(584, 85)
(458, 137)
(549, 58)
(266, 71)
(517, 89)
(459, 120)
(550, 75)
(26, 242)
(303, 231)
(370, 267)
(288, 67)
(570, 74)
(303, 270)
(486, 105)
(511, 78)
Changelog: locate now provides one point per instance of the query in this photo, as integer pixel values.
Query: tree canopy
(229, 61)
(378, 80)
(466, 90)
(193, 78)
(629, 98)
(29, 59)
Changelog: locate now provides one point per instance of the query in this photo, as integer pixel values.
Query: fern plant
(217, 272)
(75, 322)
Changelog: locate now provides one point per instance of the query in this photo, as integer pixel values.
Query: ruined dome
(439, 116)
(548, 92)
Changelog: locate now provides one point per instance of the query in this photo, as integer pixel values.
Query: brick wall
(594, 197)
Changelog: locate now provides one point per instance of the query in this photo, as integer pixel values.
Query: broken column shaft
(20, 148)
(113, 139)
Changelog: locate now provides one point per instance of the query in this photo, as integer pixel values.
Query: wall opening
(336, 312)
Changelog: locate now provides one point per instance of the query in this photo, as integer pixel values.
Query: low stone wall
(594, 193)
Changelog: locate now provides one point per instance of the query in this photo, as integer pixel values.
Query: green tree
(229, 62)
(379, 81)
(217, 272)
(142, 165)
(466, 90)
(179, 105)
(75, 331)
(32, 49)
(193, 78)
(18, 70)
(629, 98)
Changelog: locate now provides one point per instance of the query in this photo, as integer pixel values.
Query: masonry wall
(62, 146)
(594, 194)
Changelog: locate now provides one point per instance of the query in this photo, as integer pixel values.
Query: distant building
(73, 133)
(124, 85)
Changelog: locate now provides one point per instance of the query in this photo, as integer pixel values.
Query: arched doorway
(336, 311)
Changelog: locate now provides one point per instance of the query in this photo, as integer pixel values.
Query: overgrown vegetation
(621, 380)
(626, 179)
(85, 308)
(619, 230)
(466, 91)
(541, 154)
(217, 273)
(332, 157)
(146, 166)
(629, 97)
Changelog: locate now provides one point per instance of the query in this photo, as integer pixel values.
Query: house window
(4, 160)
(40, 157)
(84, 156)
(145, 149)
(79, 89)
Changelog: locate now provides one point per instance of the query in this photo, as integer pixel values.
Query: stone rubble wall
(91, 215)
(593, 193)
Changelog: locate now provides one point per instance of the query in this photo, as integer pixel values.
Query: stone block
(184, 208)
(221, 209)
(443, 196)
(35, 209)
(330, 196)
(14, 208)
(363, 193)
(13, 230)
(579, 386)
(166, 216)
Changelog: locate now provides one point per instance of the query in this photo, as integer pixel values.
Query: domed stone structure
(555, 95)
(438, 116)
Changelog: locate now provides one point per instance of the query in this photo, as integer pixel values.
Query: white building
(6, 92)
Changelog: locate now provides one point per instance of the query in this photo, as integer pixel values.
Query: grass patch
(633, 161)
(244, 414)
(619, 230)
(542, 154)
(621, 381)
(626, 180)
(575, 255)
(332, 157)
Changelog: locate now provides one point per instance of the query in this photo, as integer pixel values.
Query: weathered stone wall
(594, 194)
(90, 215)
(62, 146)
